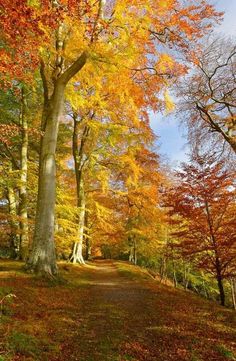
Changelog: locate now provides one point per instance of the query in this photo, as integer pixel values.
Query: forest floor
(108, 311)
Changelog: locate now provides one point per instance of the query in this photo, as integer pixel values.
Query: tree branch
(74, 68)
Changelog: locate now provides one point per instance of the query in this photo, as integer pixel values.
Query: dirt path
(128, 316)
(111, 311)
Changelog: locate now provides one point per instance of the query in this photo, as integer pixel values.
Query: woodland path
(112, 311)
(128, 316)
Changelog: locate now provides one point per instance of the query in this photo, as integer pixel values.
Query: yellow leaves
(34, 3)
(165, 4)
(169, 104)
(76, 43)
(165, 63)
(134, 170)
(103, 178)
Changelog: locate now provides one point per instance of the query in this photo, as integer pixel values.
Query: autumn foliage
(81, 171)
(203, 207)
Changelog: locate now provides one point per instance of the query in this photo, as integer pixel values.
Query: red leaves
(203, 204)
(21, 28)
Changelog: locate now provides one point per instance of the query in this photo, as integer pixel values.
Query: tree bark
(163, 269)
(15, 237)
(174, 275)
(218, 268)
(78, 155)
(43, 255)
(23, 213)
(87, 240)
(133, 251)
(77, 254)
(233, 291)
(220, 282)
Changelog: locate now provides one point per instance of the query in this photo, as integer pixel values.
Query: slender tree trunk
(217, 258)
(221, 290)
(135, 252)
(77, 254)
(204, 288)
(174, 275)
(233, 291)
(220, 282)
(23, 213)
(78, 155)
(132, 250)
(163, 269)
(186, 278)
(87, 238)
(131, 256)
(15, 237)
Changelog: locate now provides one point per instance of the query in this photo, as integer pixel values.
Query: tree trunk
(23, 213)
(131, 249)
(220, 282)
(204, 288)
(135, 253)
(233, 291)
(15, 237)
(43, 256)
(87, 238)
(77, 254)
(78, 155)
(217, 258)
(186, 274)
(163, 269)
(221, 290)
(174, 275)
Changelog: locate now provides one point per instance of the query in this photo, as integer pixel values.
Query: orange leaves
(7, 132)
(21, 27)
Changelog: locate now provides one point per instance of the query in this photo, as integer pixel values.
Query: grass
(224, 351)
(133, 273)
(23, 344)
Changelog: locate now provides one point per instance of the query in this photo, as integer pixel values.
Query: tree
(203, 203)
(208, 95)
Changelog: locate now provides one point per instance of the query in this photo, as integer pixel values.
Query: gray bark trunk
(78, 155)
(23, 213)
(233, 291)
(133, 251)
(174, 275)
(77, 255)
(43, 255)
(87, 239)
(15, 237)
(163, 269)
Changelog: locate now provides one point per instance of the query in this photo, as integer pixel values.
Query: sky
(172, 141)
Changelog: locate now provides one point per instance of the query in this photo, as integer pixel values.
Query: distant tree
(203, 206)
(208, 95)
